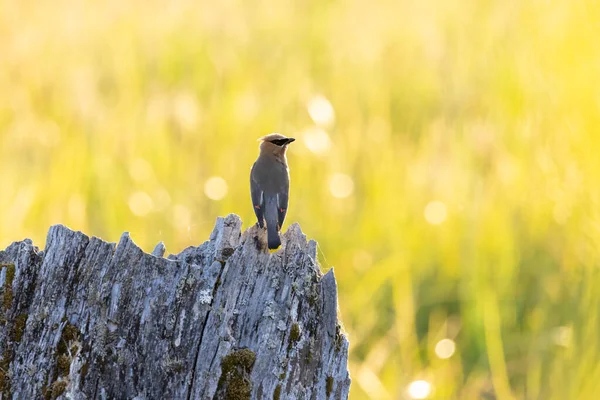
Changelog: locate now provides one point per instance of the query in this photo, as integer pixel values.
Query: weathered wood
(86, 319)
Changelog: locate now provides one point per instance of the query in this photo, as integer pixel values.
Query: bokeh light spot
(181, 216)
(157, 109)
(215, 188)
(341, 185)
(140, 203)
(141, 170)
(321, 111)
(186, 110)
(316, 140)
(162, 199)
(562, 336)
(247, 106)
(419, 389)
(445, 348)
(435, 212)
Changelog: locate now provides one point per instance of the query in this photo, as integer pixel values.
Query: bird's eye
(279, 142)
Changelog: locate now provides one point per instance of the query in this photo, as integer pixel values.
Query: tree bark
(87, 319)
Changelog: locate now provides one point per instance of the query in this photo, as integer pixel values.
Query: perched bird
(270, 185)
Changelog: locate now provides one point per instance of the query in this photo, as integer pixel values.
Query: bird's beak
(290, 140)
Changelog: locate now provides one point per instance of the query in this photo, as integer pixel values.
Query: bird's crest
(272, 136)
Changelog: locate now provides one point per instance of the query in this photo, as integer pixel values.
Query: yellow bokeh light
(562, 336)
(215, 188)
(341, 185)
(162, 199)
(419, 389)
(182, 216)
(445, 348)
(140, 203)
(247, 106)
(316, 140)
(321, 111)
(186, 110)
(435, 212)
(141, 170)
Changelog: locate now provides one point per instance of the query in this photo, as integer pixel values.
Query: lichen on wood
(87, 319)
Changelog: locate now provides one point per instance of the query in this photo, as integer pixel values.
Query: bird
(270, 185)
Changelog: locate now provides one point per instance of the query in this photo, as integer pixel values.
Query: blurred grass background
(447, 163)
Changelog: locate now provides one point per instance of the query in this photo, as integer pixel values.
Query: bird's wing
(282, 205)
(257, 198)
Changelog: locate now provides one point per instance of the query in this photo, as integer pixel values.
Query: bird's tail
(272, 217)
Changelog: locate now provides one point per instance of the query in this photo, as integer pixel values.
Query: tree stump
(87, 319)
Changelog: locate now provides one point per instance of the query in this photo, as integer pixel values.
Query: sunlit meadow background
(447, 163)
